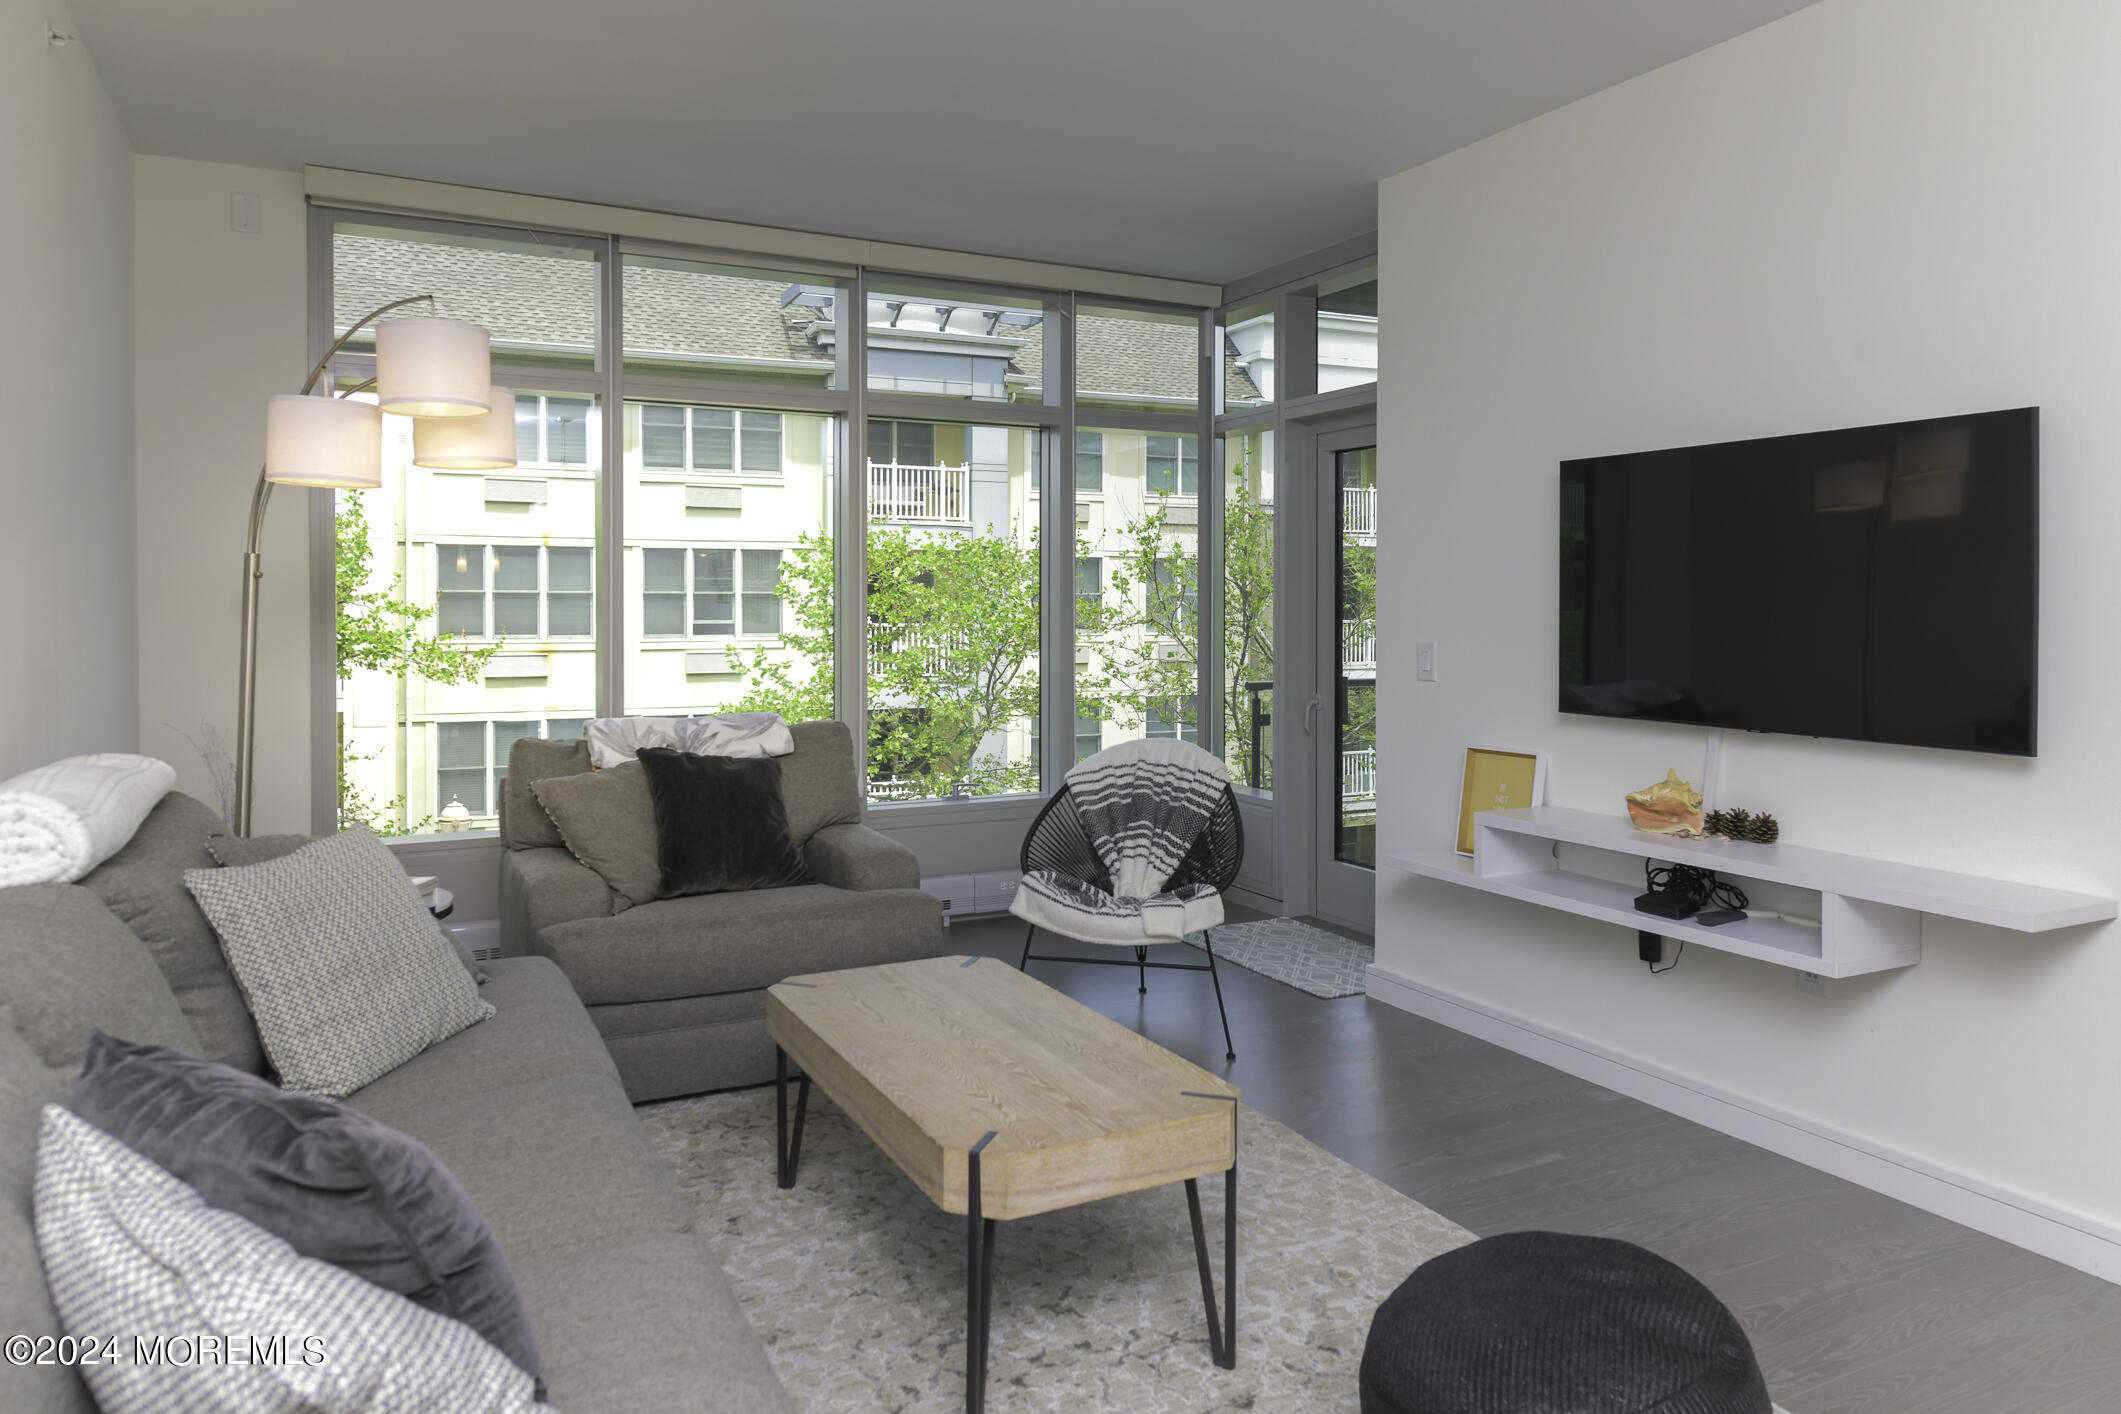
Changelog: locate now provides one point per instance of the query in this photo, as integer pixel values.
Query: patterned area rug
(856, 1282)
(1306, 958)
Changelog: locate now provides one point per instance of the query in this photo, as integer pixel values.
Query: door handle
(1311, 716)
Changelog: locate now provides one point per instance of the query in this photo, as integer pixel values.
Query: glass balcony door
(1346, 838)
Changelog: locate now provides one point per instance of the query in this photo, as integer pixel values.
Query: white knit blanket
(60, 821)
(615, 740)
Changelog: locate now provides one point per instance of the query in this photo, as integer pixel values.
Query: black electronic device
(1829, 584)
(1717, 917)
(1666, 903)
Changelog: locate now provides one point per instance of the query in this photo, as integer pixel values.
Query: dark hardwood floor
(1856, 1303)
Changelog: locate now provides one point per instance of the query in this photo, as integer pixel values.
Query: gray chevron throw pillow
(347, 974)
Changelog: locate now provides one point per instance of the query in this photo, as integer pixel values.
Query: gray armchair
(678, 986)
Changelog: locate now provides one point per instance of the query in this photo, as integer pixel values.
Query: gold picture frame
(1497, 780)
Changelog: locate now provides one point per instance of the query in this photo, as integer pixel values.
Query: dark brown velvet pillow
(720, 824)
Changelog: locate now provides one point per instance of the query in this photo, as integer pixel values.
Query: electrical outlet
(1811, 984)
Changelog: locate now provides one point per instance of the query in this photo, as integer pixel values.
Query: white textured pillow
(347, 974)
(135, 1257)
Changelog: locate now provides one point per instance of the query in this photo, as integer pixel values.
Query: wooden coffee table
(1001, 1098)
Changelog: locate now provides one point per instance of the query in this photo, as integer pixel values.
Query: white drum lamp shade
(433, 368)
(334, 442)
(483, 443)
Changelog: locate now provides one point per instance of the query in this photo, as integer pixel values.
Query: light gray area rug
(1307, 958)
(856, 1282)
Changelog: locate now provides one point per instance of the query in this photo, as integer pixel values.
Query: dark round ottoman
(1547, 1323)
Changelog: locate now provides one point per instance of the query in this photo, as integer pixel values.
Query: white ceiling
(1200, 138)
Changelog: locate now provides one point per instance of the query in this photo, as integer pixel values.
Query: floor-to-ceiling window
(1137, 526)
(466, 598)
(691, 435)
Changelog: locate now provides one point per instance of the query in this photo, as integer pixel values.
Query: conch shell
(1671, 807)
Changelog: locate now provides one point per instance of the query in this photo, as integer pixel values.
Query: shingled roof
(547, 301)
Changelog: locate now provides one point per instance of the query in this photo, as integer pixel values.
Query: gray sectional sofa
(677, 987)
(527, 1109)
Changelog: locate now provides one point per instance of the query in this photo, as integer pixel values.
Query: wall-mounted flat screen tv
(1876, 583)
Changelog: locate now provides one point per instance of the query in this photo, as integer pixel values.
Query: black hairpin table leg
(1222, 1332)
(979, 1283)
(787, 1148)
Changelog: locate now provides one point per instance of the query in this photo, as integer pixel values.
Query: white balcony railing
(1358, 511)
(929, 649)
(1358, 775)
(920, 495)
(1358, 646)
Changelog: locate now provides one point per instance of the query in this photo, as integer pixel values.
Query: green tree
(380, 631)
(1146, 654)
(953, 646)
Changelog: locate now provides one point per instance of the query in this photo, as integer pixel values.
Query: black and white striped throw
(1143, 804)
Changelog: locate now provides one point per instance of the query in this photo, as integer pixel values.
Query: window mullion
(1056, 472)
(850, 528)
(610, 573)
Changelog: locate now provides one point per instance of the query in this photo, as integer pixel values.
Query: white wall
(221, 319)
(66, 473)
(1869, 211)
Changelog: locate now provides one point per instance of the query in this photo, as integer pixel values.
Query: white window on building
(1089, 461)
(552, 430)
(711, 593)
(1170, 582)
(718, 441)
(901, 443)
(1089, 589)
(471, 758)
(1171, 720)
(1174, 466)
(1089, 736)
(515, 591)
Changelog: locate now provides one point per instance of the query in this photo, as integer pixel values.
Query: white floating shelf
(1870, 910)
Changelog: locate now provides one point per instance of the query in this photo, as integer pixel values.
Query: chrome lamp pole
(429, 368)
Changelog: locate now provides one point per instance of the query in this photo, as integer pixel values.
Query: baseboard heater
(973, 895)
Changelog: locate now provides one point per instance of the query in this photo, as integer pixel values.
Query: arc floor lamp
(437, 370)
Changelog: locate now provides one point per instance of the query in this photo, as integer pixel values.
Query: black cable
(1699, 887)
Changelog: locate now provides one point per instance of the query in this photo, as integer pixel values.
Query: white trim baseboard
(2076, 1239)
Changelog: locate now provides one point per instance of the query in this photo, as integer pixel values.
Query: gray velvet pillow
(608, 821)
(329, 1181)
(237, 852)
(129, 1249)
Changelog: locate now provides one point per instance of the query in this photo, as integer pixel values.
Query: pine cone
(1728, 823)
(1762, 829)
